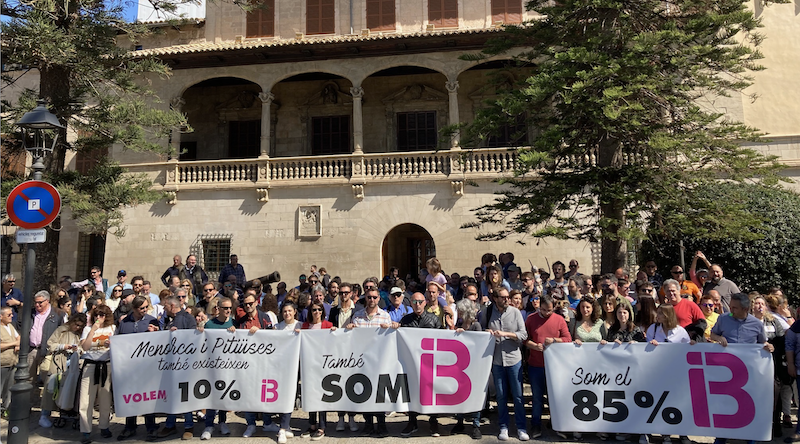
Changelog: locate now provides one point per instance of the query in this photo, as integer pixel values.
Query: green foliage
(98, 197)
(771, 257)
(620, 136)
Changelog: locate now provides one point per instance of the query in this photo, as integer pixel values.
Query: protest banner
(669, 389)
(185, 370)
(410, 369)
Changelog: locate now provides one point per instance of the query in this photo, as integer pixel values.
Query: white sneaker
(353, 425)
(271, 427)
(340, 425)
(45, 422)
(248, 432)
(522, 435)
(282, 437)
(289, 433)
(644, 439)
(503, 436)
(223, 428)
(207, 433)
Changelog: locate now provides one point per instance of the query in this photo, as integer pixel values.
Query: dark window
(261, 20)
(86, 160)
(216, 254)
(511, 134)
(416, 131)
(443, 13)
(188, 151)
(244, 139)
(380, 15)
(330, 135)
(91, 252)
(507, 11)
(320, 16)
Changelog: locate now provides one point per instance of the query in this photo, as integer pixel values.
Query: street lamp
(41, 127)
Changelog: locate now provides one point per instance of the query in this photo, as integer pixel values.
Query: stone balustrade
(455, 165)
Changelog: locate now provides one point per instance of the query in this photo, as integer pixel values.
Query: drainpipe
(351, 17)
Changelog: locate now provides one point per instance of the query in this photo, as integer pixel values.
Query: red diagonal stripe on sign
(22, 195)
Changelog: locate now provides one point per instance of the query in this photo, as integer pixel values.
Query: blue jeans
(211, 414)
(250, 417)
(188, 421)
(724, 440)
(513, 377)
(538, 381)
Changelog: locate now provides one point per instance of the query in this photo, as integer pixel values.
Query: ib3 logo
(359, 387)
(734, 388)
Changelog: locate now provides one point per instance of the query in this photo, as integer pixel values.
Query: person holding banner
(289, 323)
(419, 318)
(666, 328)
(95, 374)
(543, 329)
(253, 320)
(371, 316)
(588, 326)
(223, 321)
(339, 316)
(505, 323)
(740, 328)
(316, 321)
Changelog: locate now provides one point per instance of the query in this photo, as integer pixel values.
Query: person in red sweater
(686, 310)
(316, 321)
(544, 328)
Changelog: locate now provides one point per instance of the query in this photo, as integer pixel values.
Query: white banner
(186, 370)
(670, 389)
(409, 369)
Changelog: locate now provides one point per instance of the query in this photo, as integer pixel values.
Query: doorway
(408, 247)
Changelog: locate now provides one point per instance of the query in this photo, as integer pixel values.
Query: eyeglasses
(536, 298)
(250, 304)
(370, 288)
(208, 290)
(501, 297)
(40, 302)
(144, 307)
(182, 297)
(11, 281)
(417, 302)
(677, 272)
(313, 282)
(526, 279)
(573, 266)
(373, 297)
(707, 305)
(223, 308)
(397, 295)
(186, 285)
(115, 291)
(316, 309)
(344, 292)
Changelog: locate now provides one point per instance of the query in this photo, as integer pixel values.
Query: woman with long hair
(316, 321)
(96, 372)
(64, 307)
(646, 315)
(116, 297)
(666, 328)
(609, 306)
(187, 285)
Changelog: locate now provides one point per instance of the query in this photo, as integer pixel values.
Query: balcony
(356, 170)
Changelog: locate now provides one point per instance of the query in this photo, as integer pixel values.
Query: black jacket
(425, 320)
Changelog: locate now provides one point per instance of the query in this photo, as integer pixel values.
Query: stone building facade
(315, 138)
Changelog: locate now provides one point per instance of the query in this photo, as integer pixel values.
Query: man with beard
(723, 286)
(194, 273)
(178, 319)
(558, 281)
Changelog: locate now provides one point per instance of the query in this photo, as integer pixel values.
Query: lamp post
(40, 129)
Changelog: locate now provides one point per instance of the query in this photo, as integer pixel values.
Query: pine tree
(623, 140)
(92, 83)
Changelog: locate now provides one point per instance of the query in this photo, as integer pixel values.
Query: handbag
(69, 383)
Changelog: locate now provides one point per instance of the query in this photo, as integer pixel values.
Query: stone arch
(294, 72)
(194, 81)
(389, 64)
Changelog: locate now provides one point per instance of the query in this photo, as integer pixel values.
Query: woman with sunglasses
(86, 292)
(116, 297)
(64, 307)
(187, 285)
(96, 372)
(707, 306)
(316, 321)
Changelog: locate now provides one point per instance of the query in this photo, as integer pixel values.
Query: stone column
(266, 122)
(176, 104)
(452, 89)
(358, 121)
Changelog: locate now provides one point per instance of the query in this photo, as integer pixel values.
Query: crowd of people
(525, 311)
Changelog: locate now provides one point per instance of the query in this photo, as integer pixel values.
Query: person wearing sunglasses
(687, 288)
(707, 306)
(371, 316)
(223, 321)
